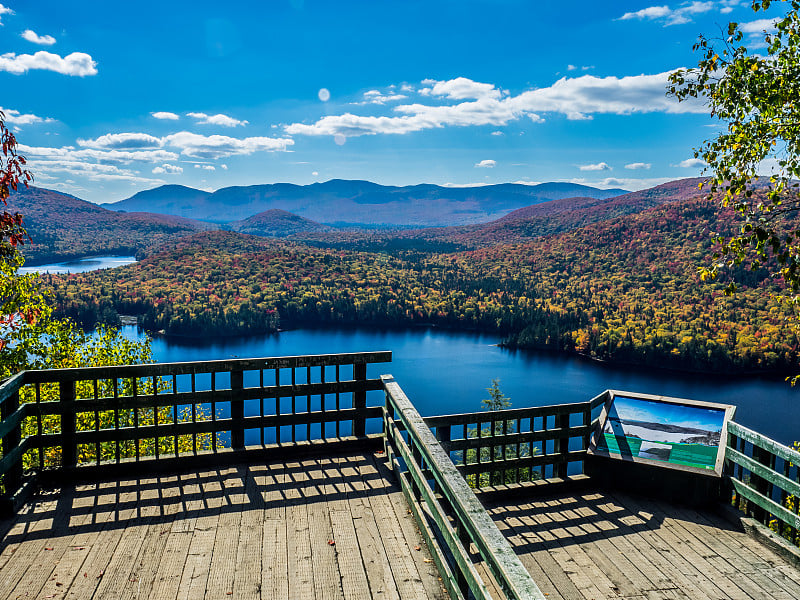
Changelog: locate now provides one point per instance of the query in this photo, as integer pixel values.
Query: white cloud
(4, 10)
(601, 166)
(465, 185)
(497, 133)
(576, 98)
(167, 168)
(758, 26)
(620, 182)
(691, 163)
(33, 37)
(164, 115)
(376, 97)
(670, 16)
(571, 67)
(314, 173)
(122, 141)
(104, 156)
(206, 167)
(651, 12)
(91, 170)
(77, 64)
(218, 119)
(221, 146)
(224, 167)
(638, 166)
(14, 117)
(462, 88)
(486, 164)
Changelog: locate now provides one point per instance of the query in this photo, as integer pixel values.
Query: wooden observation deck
(303, 477)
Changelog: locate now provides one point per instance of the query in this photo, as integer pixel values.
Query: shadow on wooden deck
(333, 527)
(611, 544)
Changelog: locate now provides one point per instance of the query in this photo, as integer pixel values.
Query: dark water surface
(448, 372)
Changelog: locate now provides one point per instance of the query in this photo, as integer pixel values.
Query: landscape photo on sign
(671, 433)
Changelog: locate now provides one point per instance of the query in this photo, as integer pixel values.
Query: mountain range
(361, 203)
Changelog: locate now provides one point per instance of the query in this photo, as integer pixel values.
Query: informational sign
(669, 432)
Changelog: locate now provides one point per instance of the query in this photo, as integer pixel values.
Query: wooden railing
(177, 414)
(511, 446)
(451, 518)
(766, 479)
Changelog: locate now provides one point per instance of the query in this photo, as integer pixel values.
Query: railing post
(237, 410)
(561, 445)
(761, 485)
(69, 447)
(360, 401)
(13, 478)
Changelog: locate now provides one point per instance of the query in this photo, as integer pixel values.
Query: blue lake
(81, 265)
(448, 372)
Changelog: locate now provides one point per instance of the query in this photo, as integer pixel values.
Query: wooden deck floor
(322, 528)
(590, 546)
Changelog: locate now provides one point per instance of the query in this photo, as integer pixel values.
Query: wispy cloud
(164, 115)
(218, 119)
(377, 97)
(33, 37)
(122, 141)
(14, 117)
(638, 166)
(601, 166)
(221, 146)
(77, 64)
(168, 169)
(691, 163)
(677, 16)
(486, 164)
(577, 98)
(4, 10)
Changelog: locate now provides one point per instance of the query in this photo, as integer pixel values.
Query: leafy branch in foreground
(756, 95)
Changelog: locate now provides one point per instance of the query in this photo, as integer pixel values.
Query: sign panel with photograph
(669, 432)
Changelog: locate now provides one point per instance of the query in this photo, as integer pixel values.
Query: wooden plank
(51, 549)
(423, 559)
(275, 571)
(700, 567)
(532, 550)
(226, 542)
(327, 579)
(348, 554)
(117, 506)
(247, 578)
(736, 549)
(298, 542)
(194, 577)
(508, 414)
(634, 534)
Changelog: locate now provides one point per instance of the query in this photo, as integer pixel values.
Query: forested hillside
(625, 289)
(63, 227)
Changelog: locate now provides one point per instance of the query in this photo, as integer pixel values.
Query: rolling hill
(276, 223)
(62, 226)
(344, 202)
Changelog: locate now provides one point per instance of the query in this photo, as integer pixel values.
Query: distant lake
(448, 372)
(81, 265)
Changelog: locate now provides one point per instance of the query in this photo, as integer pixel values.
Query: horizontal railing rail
(517, 445)
(95, 418)
(453, 518)
(765, 476)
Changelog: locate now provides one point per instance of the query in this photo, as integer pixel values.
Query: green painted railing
(454, 515)
(765, 476)
(511, 446)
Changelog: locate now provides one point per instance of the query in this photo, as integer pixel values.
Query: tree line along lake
(446, 371)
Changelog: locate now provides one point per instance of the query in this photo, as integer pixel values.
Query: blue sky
(111, 98)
